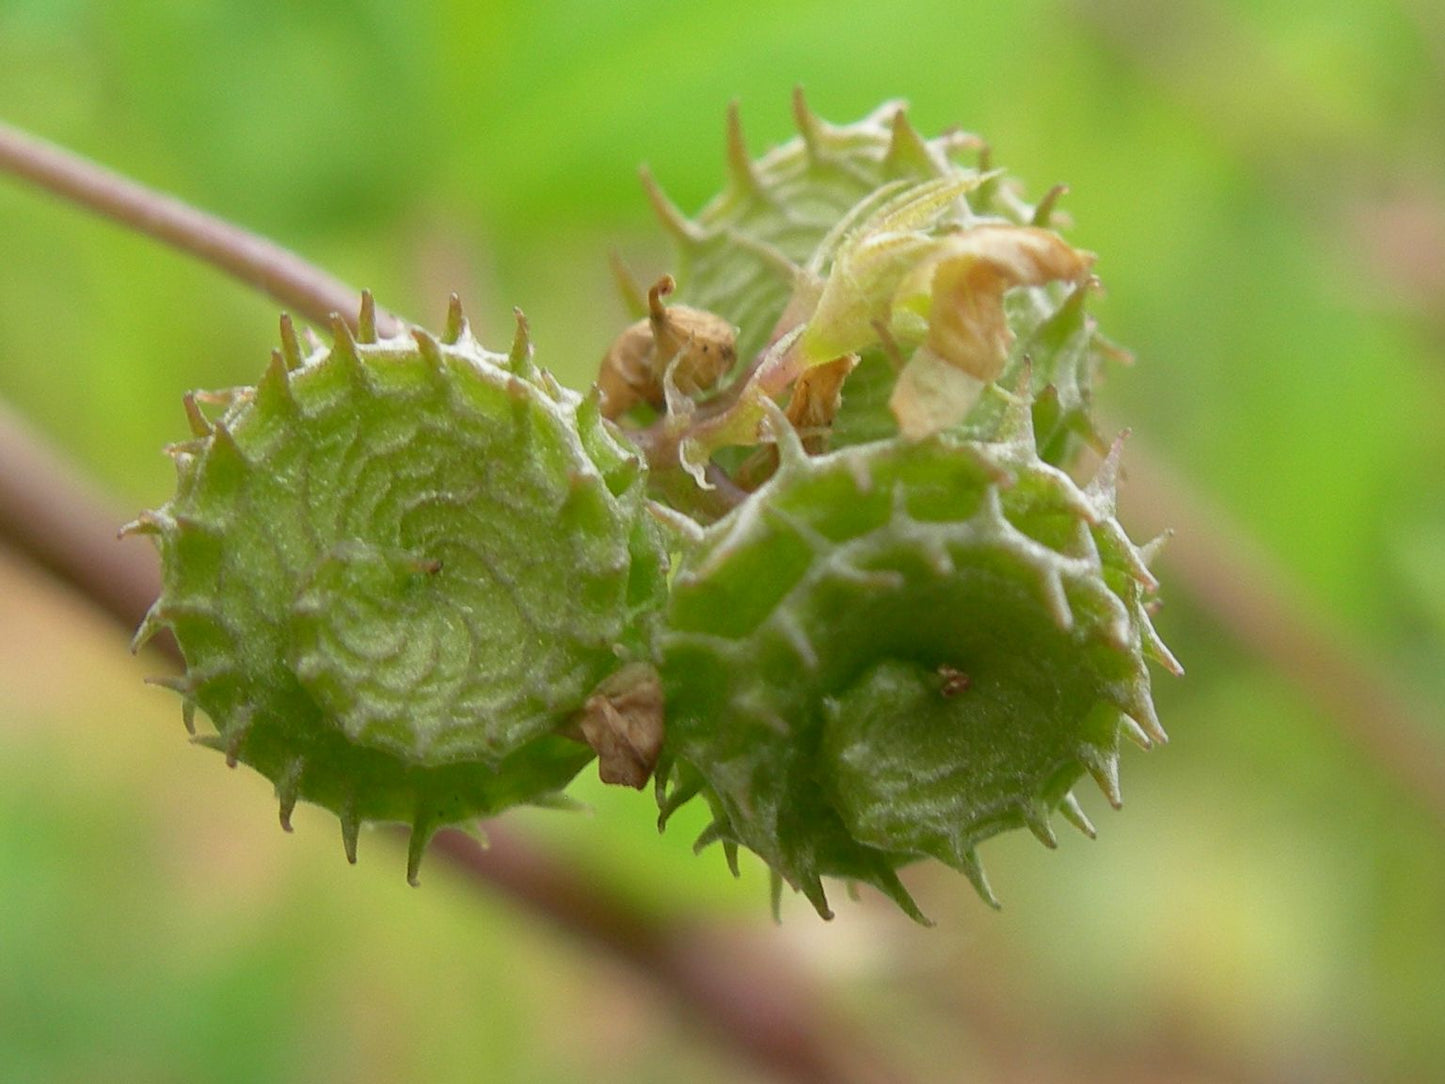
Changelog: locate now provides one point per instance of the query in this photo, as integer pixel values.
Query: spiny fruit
(398, 570)
(924, 637)
(900, 649)
(412, 578)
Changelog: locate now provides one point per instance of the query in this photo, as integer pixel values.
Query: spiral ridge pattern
(398, 569)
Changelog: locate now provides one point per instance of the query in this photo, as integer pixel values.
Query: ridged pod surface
(900, 649)
(397, 569)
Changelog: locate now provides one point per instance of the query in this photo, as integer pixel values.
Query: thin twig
(259, 263)
(61, 522)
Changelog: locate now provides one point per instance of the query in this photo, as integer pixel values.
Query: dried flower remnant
(691, 347)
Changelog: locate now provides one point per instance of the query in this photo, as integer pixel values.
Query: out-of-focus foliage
(1265, 185)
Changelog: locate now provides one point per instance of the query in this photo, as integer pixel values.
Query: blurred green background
(1265, 185)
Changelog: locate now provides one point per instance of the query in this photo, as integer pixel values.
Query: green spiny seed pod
(763, 255)
(398, 569)
(900, 649)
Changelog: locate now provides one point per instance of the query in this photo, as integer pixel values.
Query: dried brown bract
(622, 722)
(696, 347)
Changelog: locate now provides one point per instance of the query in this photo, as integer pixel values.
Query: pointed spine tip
(431, 350)
(1036, 819)
(1074, 813)
(812, 889)
(290, 344)
(456, 325)
(589, 408)
(233, 741)
(422, 830)
(1044, 212)
(343, 343)
(888, 882)
(1103, 766)
(905, 145)
(972, 868)
(519, 357)
(740, 165)
(682, 229)
(730, 852)
(200, 427)
(1149, 722)
(1135, 565)
(1156, 648)
(151, 624)
(288, 790)
(1134, 732)
(366, 318)
(1141, 711)
(1149, 552)
(350, 830)
(807, 122)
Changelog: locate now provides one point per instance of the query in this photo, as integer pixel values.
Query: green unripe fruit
(415, 581)
(397, 570)
(900, 649)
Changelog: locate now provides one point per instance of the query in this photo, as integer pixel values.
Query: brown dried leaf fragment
(623, 723)
(816, 397)
(959, 291)
(697, 346)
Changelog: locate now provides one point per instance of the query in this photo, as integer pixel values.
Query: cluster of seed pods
(809, 551)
